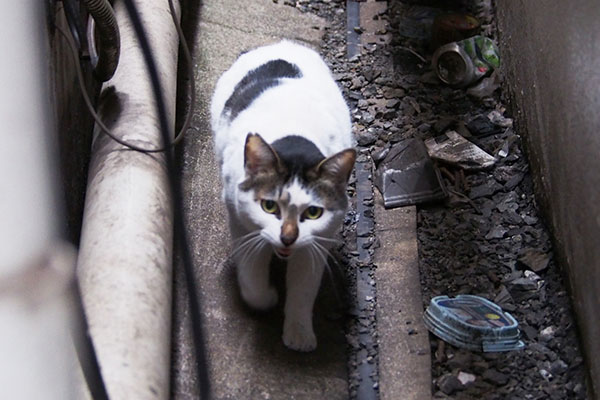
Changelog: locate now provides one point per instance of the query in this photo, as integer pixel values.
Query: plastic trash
(473, 323)
(485, 87)
(455, 149)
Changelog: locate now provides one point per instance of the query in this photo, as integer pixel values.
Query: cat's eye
(313, 212)
(269, 206)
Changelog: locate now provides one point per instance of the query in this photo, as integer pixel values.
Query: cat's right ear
(259, 156)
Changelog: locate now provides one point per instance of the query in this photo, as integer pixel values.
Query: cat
(283, 138)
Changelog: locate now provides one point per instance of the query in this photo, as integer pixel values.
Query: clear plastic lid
(472, 322)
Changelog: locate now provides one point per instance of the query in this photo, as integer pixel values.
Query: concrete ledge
(404, 352)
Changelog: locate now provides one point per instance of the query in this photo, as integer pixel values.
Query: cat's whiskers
(318, 254)
(244, 244)
(318, 238)
(326, 251)
(314, 257)
(256, 247)
(270, 239)
(247, 244)
(326, 254)
(322, 248)
(245, 237)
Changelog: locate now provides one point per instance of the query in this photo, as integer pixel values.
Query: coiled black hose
(109, 41)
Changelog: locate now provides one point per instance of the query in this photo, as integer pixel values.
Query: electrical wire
(98, 119)
(84, 346)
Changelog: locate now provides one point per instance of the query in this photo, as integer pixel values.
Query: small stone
(529, 220)
(545, 374)
(514, 181)
(443, 124)
(357, 83)
(529, 331)
(392, 93)
(424, 127)
(508, 203)
(484, 190)
(481, 126)
(547, 334)
(579, 390)
(495, 377)
(496, 232)
(393, 103)
(535, 260)
(449, 384)
(558, 367)
(372, 74)
(523, 284)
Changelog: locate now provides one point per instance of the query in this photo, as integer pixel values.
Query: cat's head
(294, 195)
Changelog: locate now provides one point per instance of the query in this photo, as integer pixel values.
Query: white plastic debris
(466, 378)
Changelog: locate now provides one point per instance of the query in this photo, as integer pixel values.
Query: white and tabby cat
(283, 139)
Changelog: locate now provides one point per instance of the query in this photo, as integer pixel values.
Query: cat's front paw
(260, 300)
(299, 337)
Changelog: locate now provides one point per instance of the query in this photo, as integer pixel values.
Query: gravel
(486, 239)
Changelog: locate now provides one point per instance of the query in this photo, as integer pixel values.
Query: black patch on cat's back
(297, 154)
(256, 82)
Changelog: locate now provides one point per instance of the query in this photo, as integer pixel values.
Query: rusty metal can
(461, 63)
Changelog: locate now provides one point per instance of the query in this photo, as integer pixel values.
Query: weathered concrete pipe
(125, 258)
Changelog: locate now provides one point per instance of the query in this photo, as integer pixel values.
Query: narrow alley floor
(486, 238)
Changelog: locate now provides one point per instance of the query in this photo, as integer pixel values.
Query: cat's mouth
(283, 253)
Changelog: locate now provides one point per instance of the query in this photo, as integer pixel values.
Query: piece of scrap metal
(407, 176)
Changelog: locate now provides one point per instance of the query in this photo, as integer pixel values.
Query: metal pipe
(37, 355)
(125, 259)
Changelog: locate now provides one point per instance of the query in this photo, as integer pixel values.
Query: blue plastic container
(473, 323)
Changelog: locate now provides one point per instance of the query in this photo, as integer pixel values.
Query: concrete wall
(551, 55)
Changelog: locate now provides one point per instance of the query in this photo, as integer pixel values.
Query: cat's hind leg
(303, 279)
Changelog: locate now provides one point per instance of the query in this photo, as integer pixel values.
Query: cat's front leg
(252, 257)
(253, 278)
(303, 279)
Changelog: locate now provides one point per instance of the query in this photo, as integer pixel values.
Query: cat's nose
(289, 232)
(288, 240)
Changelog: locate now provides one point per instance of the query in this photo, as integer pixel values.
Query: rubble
(486, 239)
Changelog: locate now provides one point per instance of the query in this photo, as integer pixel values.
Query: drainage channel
(366, 357)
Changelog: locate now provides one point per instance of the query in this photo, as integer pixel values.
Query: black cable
(98, 120)
(175, 183)
(84, 347)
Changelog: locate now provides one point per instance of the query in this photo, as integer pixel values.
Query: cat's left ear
(259, 156)
(338, 167)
